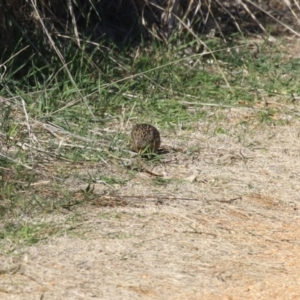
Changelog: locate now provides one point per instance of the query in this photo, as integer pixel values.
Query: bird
(145, 138)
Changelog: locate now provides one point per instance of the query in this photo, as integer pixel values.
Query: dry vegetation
(217, 215)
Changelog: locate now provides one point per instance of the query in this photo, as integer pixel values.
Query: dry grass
(124, 20)
(229, 231)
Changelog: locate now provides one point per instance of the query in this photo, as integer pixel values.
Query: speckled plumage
(145, 137)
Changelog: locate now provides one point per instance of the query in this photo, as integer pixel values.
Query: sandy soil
(225, 225)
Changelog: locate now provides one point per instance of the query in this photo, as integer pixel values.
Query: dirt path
(227, 226)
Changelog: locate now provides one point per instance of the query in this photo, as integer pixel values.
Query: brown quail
(144, 137)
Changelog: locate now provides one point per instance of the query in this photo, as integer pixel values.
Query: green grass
(111, 89)
(27, 233)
